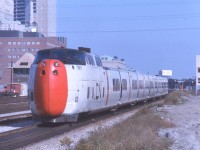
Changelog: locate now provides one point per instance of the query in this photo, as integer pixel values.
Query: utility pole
(11, 75)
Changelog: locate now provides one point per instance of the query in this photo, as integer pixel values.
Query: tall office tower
(6, 10)
(20, 11)
(40, 15)
(46, 17)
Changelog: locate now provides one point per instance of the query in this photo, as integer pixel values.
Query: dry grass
(66, 142)
(175, 98)
(137, 133)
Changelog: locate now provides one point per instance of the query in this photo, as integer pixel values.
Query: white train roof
(113, 62)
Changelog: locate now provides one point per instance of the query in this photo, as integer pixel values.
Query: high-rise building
(6, 10)
(39, 14)
(46, 16)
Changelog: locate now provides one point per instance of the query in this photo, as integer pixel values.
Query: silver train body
(64, 83)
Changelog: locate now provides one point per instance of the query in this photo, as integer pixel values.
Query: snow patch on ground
(14, 126)
(186, 117)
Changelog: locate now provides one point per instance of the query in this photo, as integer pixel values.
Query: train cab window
(116, 85)
(90, 60)
(98, 61)
(64, 55)
(124, 84)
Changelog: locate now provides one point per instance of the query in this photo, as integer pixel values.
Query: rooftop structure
(21, 68)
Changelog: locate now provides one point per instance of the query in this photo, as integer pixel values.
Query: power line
(127, 18)
(132, 4)
(132, 30)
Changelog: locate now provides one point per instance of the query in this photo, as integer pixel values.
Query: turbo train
(64, 83)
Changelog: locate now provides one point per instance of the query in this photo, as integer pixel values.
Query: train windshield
(65, 56)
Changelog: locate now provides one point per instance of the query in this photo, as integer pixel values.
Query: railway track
(37, 132)
(9, 118)
(10, 104)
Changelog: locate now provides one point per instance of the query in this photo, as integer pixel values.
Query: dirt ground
(186, 118)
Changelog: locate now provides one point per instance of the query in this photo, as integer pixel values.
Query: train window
(92, 92)
(66, 56)
(156, 86)
(103, 91)
(88, 93)
(134, 84)
(141, 84)
(124, 84)
(151, 84)
(98, 61)
(90, 60)
(116, 85)
(146, 84)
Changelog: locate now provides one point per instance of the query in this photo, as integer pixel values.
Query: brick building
(14, 44)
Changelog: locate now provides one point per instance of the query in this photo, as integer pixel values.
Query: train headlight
(56, 64)
(43, 64)
(55, 72)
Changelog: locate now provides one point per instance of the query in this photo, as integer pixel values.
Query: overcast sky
(149, 35)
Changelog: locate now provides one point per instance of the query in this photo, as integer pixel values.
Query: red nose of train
(51, 87)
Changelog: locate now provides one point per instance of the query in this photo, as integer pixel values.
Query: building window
(28, 43)
(37, 43)
(9, 43)
(198, 70)
(33, 43)
(1, 43)
(23, 63)
(14, 43)
(198, 80)
(9, 56)
(18, 43)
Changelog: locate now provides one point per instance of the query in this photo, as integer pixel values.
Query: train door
(152, 86)
(146, 86)
(125, 87)
(84, 95)
(107, 87)
(141, 86)
(114, 87)
(134, 86)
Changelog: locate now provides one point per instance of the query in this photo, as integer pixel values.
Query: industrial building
(14, 44)
(197, 74)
